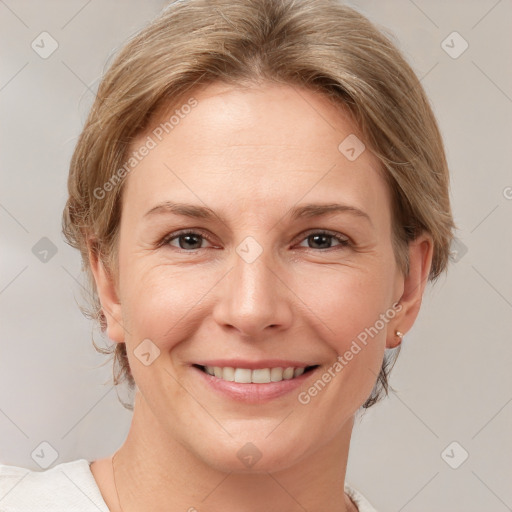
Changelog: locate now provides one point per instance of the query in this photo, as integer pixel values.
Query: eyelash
(343, 241)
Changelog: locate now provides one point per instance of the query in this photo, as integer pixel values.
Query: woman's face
(261, 282)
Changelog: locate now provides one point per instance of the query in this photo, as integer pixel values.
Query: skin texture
(251, 155)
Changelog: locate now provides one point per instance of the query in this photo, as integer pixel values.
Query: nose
(254, 299)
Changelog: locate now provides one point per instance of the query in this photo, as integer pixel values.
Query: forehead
(261, 146)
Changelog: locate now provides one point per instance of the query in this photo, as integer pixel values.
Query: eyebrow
(305, 211)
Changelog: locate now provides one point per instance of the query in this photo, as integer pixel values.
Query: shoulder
(363, 505)
(66, 487)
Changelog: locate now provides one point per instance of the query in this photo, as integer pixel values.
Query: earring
(399, 335)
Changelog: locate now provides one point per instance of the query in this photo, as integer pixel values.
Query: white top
(71, 487)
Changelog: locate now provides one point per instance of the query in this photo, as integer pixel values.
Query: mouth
(255, 376)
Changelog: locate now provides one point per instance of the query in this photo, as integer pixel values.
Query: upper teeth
(259, 376)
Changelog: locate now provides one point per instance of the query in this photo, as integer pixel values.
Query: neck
(155, 472)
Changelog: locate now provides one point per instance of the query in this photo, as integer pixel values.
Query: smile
(256, 376)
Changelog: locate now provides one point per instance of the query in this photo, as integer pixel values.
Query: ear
(420, 259)
(108, 296)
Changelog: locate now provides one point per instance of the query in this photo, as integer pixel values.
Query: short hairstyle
(321, 45)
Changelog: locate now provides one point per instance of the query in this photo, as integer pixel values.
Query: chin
(242, 456)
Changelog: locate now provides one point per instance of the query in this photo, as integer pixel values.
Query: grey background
(453, 378)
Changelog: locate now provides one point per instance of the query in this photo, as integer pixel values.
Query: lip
(253, 393)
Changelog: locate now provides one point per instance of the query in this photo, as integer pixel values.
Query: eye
(188, 240)
(323, 239)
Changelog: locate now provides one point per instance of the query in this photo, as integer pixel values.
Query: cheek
(347, 301)
(164, 302)
(156, 305)
(353, 307)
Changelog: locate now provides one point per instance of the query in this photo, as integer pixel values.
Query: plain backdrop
(452, 382)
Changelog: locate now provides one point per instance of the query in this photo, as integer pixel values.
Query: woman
(260, 195)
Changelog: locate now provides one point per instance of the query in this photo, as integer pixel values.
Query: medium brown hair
(318, 44)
